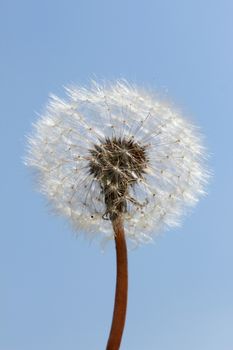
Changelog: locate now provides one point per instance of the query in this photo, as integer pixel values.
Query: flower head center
(117, 163)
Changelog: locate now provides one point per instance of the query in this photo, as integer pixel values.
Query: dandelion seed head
(116, 149)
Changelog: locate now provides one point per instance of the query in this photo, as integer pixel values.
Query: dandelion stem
(119, 313)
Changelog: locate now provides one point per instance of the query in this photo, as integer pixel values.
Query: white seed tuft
(151, 181)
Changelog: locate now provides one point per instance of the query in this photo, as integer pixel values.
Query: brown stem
(119, 313)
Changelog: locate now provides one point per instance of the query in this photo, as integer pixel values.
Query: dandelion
(119, 164)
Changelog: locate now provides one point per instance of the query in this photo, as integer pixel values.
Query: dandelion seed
(120, 163)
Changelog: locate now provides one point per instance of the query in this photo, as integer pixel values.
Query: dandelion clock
(120, 165)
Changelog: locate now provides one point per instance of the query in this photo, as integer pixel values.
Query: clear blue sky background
(57, 291)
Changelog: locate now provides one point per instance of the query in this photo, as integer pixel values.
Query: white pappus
(117, 148)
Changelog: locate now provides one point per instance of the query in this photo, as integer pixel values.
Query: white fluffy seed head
(88, 180)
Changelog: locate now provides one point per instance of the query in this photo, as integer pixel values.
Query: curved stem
(119, 313)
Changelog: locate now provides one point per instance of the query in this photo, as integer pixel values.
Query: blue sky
(57, 291)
